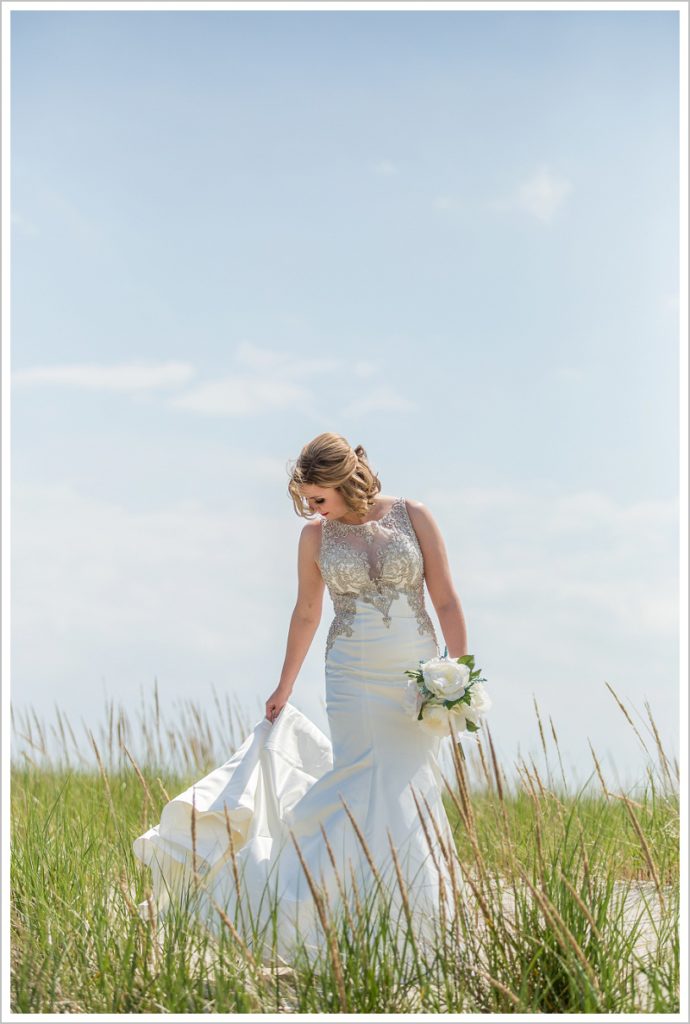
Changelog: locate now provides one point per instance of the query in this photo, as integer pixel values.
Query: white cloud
(541, 195)
(274, 381)
(242, 395)
(269, 379)
(117, 377)
(386, 168)
(380, 400)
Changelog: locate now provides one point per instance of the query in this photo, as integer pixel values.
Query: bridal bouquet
(446, 691)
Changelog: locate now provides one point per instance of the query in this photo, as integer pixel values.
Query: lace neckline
(361, 526)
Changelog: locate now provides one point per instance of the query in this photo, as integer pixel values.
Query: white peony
(445, 679)
(412, 699)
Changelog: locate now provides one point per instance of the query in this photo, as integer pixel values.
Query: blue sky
(451, 236)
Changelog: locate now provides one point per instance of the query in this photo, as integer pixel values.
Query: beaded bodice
(374, 562)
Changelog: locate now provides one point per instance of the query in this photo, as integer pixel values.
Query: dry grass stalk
(599, 772)
(585, 860)
(133, 910)
(403, 889)
(194, 857)
(122, 885)
(620, 704)
(61, 727)
(470, 832)
(73, 737)
(463, 784)
(362, 840)
(157, 712)
(29, 740)
(485, 767)
(525, 778)
(645, 847)
(458, 905)
(494, 763)
(355, 894)
(163, 789)
(327, 927)
(425, 830)
(142, 780)
(537, 776)
(539, 841)
(562, 932)
(104, 777)
(152, 925)
(665, 764)
(503, 989)
(633, 803)
(235, 868)
(541, 728)
(231, 845)
(481, 903)
(338, 880)
(233, 931)
(445, 840)
(448, 851)
(581, 904)
(41, 734)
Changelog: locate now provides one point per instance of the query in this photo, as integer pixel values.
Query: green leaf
(471, 727)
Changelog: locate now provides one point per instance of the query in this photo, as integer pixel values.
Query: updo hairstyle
(329, 461)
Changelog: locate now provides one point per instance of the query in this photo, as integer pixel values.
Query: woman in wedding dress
(296, 823)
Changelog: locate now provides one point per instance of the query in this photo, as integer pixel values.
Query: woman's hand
(276, 702)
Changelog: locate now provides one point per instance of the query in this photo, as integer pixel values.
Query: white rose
(412, 699)
(480, 702)
(445, 679)
(435, 719)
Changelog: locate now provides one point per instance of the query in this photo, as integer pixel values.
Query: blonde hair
(329, 461)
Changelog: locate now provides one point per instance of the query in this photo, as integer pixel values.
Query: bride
(296, 826)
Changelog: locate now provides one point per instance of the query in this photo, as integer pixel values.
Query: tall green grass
(562, 900)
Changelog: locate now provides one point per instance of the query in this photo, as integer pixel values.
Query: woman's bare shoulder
(417, 508)
(421, 517)
(310, 536)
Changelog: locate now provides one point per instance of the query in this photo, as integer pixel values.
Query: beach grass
(563, 900)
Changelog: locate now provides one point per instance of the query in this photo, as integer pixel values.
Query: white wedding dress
(289, 777)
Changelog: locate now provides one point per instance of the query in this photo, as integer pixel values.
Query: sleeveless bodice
(376, 562)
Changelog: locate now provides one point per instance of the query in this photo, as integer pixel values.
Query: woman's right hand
(276, 702)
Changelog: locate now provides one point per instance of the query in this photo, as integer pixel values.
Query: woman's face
(327, 501)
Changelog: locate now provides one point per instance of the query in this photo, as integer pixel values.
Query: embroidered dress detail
(375, 562)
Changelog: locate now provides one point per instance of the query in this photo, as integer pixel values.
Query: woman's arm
(305, 617)
(439, 580)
